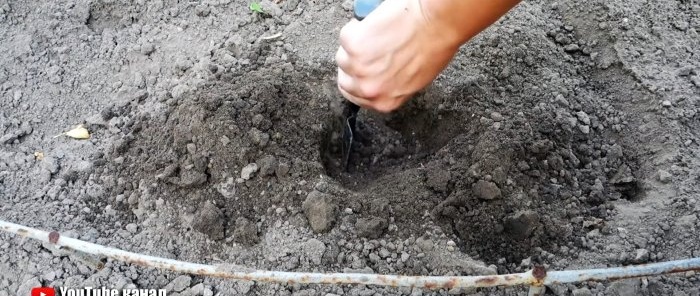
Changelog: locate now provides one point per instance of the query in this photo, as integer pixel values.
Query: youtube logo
(43, 291)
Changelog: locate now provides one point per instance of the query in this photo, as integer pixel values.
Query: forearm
(463, 19)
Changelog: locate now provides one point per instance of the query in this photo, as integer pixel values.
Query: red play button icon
(43, 291)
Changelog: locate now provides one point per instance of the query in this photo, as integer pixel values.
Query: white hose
(535, 278)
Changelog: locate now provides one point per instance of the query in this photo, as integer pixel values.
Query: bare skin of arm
(403, 45)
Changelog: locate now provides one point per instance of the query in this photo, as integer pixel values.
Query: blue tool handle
(364, 7)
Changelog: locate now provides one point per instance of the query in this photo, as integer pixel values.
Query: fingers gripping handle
(363, 8)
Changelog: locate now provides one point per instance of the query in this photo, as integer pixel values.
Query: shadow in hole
(386, 143)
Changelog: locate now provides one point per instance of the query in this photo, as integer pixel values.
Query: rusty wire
(537, 278)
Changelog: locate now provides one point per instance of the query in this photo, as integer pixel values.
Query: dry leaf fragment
(79, 132)
(39, 155)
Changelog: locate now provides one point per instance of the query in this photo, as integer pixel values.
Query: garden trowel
(361, 9)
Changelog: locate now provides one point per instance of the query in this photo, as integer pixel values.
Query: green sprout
(256, 7)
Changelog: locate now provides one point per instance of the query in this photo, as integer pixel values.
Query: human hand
(393, 53)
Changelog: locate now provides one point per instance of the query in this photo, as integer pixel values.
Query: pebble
(624, 287)
(495, 116)
(249, 170)
(209, 220)
(417, 292)
(207, 292)
(641, 256)
(372, 227)
(197, 289)
(147, 48)
(131, 227)
(314, 250)
(291, 5)
(51, 164)
(584, 129)
(522, 224)
(258, 137)
(282, 170)
(486, 190)
(384, 253)
(245, 232)
(373, 257)
(26, 287)
(202, 10)
(320, 210)
(583, 117)
(268, 165)
(571, 47)
(666, 103)
(224, 140)
(582, 292)
(562, 101)
(179, 91)
(179, 283)
(227, 189)
(664, 176)
(424, 243)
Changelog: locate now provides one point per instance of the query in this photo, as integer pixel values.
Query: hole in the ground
(387, 143)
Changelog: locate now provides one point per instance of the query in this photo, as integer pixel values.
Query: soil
(564, 135)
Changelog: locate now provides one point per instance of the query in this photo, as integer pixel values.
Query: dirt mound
(505, 184)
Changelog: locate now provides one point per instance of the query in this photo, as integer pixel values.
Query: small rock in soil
(26, 287)
(486, 190)
(50, 164)
(248, 171)
(624, 288)
(641, 256)
(271, 7)
(424, 243)
(268, 165)
(291, 5)
(571, 47)
(314, 249)
(623, 175)
(258, 137)
(320, 210)
(583, 117)
(522, 224)
(438, 179)
(227, 189)
(210, 221)
(664, 176)
(179, 91)
(584, 129)
(495, 116)
(192, 178)
(147, 48)
(245, 232)
(179, 284)
(372, 227)
(582, 292)
(202, 10)
(282, 170)
(131, 227)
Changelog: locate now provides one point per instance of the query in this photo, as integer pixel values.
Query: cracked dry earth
(565, 135)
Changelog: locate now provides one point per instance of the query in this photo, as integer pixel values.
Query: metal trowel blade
(349, 131)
